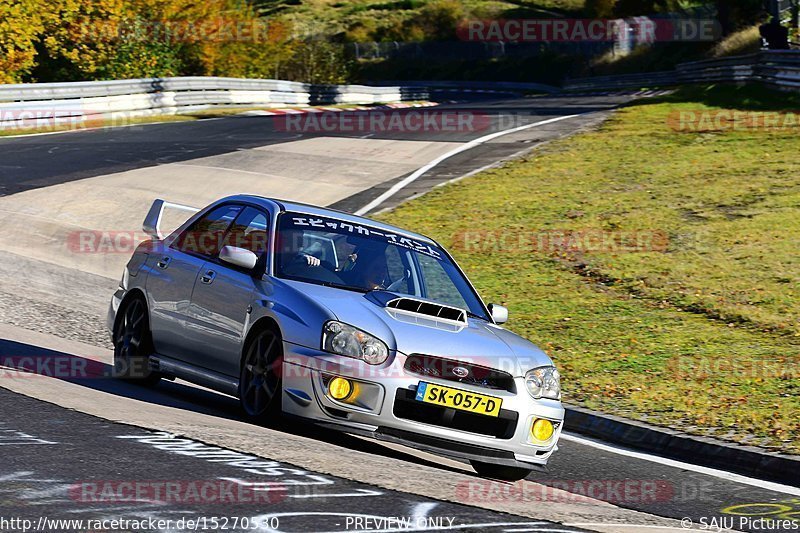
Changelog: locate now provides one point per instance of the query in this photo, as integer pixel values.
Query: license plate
(459, 399)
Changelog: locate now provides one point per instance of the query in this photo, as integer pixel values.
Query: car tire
(502, 472)
(260, 382)
(133, 344)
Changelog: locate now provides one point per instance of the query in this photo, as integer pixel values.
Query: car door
(173, 272)
(223, 294)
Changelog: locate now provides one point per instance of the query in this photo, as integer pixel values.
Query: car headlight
(346, 340)
(543, 382)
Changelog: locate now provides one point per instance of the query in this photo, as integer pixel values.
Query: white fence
(776, 68)
(28, 105)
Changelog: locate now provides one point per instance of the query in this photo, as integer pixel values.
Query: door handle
(208, 277)
(164, 262)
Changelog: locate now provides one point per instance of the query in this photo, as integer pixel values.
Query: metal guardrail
(623, 81)
(464, 85)
(81, 89)
(22, 105)
(776, 68)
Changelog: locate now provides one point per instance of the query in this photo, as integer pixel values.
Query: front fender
(299, 318)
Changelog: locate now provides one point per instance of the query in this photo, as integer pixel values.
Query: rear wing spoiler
(152, 222)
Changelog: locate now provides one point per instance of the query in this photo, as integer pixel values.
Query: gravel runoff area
(54, 319)
(52, 299)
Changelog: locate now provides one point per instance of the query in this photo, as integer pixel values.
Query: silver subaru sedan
(339, 320)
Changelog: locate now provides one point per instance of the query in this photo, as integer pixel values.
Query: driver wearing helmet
(367, 268)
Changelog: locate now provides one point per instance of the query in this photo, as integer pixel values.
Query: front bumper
(384, 408)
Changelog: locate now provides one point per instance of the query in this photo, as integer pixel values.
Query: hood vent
(429, 309)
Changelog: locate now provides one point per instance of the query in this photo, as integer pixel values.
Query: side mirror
(499, 313)
(239, 257)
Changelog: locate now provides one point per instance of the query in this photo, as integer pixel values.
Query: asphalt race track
(41, 161)
(76, 441)
(60, 467)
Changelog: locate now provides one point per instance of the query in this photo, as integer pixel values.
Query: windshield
(326, 251)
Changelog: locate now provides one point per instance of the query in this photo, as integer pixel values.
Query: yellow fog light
(542, 430)
(340, 388)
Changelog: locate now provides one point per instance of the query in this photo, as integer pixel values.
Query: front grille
(479, 376)
(407, 407)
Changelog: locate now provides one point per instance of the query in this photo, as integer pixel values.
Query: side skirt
(200, 376)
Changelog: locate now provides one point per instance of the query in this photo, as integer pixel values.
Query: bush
(747, 41)
(648, 58)
(134, 58)
(436, 21)
(318, 61)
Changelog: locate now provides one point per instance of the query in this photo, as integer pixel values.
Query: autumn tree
(21, 25)
(65, 40)
(80, 36)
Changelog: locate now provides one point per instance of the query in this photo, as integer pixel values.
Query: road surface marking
(729, 476)
(397, 187)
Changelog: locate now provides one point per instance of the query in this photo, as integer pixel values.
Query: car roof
(308, 209)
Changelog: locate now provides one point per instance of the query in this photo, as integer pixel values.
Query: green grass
(702, 335)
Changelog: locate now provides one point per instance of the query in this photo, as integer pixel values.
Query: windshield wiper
(341, 286)
(473, 315)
